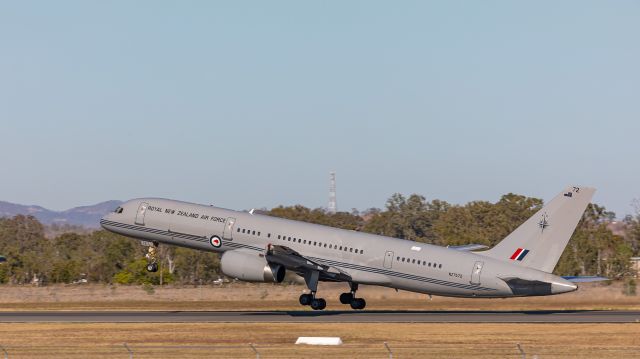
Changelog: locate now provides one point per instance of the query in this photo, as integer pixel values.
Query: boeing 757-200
(261, 248)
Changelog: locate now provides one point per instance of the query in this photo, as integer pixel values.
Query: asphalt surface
(565, 316)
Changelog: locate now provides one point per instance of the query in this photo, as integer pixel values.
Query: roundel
(216, 241)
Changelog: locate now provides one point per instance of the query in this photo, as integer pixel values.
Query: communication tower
(333, 206)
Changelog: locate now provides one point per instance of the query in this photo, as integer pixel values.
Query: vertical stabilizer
(539, 242)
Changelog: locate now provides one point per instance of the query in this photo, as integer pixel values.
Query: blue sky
(251, 103)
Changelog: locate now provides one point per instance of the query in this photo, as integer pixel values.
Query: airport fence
(263, 351)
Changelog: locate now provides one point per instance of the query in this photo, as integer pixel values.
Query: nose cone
(105, 219)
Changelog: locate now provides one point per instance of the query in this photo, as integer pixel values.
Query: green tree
(594, 249)
(26, 249)
(136, 273)
(410, 218)
(342, 220)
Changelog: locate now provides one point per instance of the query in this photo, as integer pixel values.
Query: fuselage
(366, 258)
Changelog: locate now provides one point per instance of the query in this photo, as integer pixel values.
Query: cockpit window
(119, 210)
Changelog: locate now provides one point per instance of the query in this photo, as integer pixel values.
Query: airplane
(260, 248)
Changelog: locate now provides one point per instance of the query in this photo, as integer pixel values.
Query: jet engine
(250, 267)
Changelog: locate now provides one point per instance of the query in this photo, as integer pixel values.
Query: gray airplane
(261, 248)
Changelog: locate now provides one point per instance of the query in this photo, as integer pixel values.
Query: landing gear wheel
(358, 303)
(346, 298)
(306, 299)
(318, 304)
(152, 259)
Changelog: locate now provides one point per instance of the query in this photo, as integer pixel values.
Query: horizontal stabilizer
(585, 279)
(469, 247)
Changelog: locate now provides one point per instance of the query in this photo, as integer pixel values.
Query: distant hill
(85, 216)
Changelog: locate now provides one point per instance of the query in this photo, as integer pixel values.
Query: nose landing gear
(152, 258)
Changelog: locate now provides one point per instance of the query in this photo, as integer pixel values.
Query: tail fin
(539, 242)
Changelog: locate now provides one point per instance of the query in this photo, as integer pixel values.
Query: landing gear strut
(311, 278)
(152, 260)
(350, 298)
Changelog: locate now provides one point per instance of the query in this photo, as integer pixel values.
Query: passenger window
(325, 245)
(268, 235)
(290, 239)
(314, 243)
(418, 262)
(403, 259)
(304, 242)
(258, 234)
(362, 251)
(351, 250)
(238, 230)
(242, 230)
(440, 266)
(398, 259)
(253, 232)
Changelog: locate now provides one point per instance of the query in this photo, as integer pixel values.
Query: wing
(469, 247)
(302, 265)
(585, 279)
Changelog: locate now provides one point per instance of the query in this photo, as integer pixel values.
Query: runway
(563, 316)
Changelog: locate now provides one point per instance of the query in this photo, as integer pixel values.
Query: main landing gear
(350, 298)
(319, 304)
(315, 303)
(152, 258)
(311, 278)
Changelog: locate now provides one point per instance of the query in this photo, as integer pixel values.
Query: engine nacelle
(250, 267)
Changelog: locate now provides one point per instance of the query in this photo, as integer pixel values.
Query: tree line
(104, 257)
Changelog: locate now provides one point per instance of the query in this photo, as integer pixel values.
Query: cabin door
(142, 209)
(475, 273)
(388, 259)
(228, 229)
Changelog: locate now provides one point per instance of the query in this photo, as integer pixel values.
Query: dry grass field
(275, 340)
(245, 296)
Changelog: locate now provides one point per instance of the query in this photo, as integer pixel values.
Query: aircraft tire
(306, 299)
(152, 267)
(318, 304)
(358, 303)
(346, 298)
